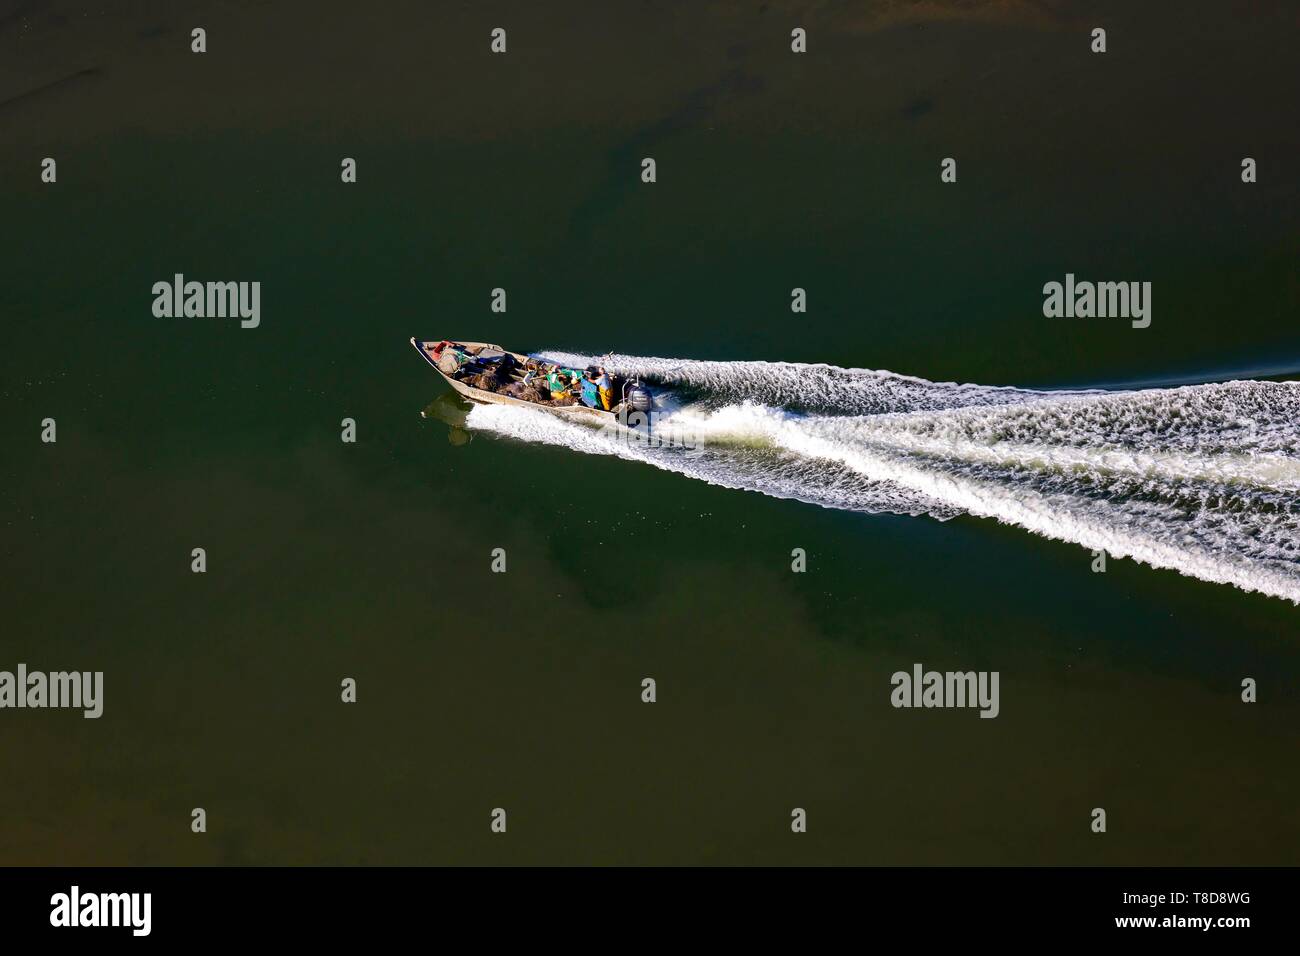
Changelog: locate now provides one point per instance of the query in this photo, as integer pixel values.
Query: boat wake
(1200, 479)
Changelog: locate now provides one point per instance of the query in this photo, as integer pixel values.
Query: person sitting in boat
(563, 382)
(604, 389)
(590, 393)
(596, 390)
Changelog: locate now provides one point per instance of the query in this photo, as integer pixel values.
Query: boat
(467, 358)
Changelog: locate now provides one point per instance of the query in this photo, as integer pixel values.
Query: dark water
(522, 690)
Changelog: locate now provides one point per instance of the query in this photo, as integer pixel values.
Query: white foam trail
(773, 473)
(1200, 479)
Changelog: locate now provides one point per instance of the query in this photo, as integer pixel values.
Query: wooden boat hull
(470, 393)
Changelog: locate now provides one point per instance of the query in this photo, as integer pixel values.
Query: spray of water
(1201, 479)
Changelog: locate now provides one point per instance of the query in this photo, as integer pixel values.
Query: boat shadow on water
(453, 411)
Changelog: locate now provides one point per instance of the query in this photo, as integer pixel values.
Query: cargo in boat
(481, 372)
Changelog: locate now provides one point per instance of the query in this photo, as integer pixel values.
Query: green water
(522, 690)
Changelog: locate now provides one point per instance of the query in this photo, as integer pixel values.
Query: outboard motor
(639, 398)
